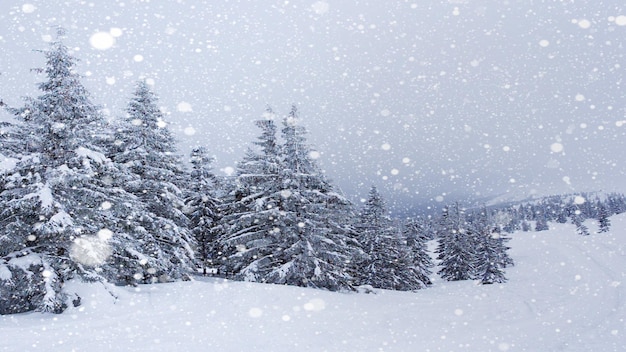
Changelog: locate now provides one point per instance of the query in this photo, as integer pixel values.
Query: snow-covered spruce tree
(62, 214)
(310, 240)
(490, 257)
(147, 150)
(616, 203)
(541, 223)
(604, 223)
(456, 248)
(416, 234)
(202, 208)
(389, 263)
(578, 220)
(252, 215)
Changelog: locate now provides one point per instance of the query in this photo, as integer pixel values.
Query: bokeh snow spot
(102, 40)
(183, 106)
(385, 146)
(556, 147)
(116, 32)
(503, 346)
(579, 97)
(395, 172)
(31, 238)
(161, 124)
(105, 234)
(228, 170)
(579, 200)
(90, 250)
(138, 58)
(544, 43)
(458, 312)
(285, 193)
(583, 23)
(28, 8)
(315, 305)
(106, 205)
(320, 7)
(255, 312)
(314, 154)
(406, 160)
(385, 113)
(620, 20)
(189, 131)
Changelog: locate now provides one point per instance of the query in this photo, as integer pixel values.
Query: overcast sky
(432, 101)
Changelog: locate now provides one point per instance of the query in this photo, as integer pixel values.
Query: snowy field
(566, 293)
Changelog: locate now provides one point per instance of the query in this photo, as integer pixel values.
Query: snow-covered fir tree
(147, 150)
(389, 262)
(287, 222)
(578, 221)
(490, 257)
(316, 246)
(252, 215)
(202, 208)
(604, 223)
(253, 209)
(456, 246)
(542, 223)
(62, 213)
(416, 234)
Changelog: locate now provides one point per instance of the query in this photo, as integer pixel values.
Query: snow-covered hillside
(566, 293)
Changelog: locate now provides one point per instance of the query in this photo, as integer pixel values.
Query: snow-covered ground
(566, 293)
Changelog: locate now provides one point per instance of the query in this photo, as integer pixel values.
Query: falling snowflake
(102, 40)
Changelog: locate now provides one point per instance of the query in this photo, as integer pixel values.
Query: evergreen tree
(390, 262)
(456, 247)
(287, 223)
(603, 217)
(146, 148)
(202, 208)
(578, 220)
(490, 257)
(416, 234)
(62, 213)
(541, 223)
(316, 247)
(252, 215)
(489, 266)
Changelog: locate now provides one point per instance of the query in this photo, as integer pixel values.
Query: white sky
(425, 99)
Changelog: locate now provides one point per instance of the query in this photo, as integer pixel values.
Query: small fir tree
(604, 223)
(456, 247)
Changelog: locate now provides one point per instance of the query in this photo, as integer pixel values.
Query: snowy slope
(566, 293)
